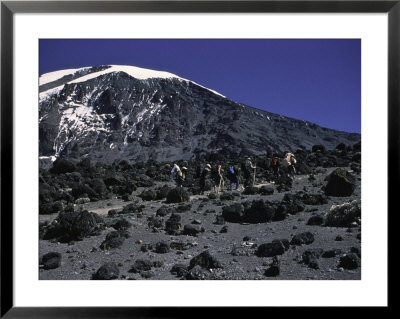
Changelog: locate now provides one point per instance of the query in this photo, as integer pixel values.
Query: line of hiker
(214, 177)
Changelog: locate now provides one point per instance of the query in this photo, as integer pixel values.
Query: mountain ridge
(116, 115)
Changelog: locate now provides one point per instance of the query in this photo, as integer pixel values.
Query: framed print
(159, 155)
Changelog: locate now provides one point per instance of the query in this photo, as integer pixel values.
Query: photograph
(199, 159)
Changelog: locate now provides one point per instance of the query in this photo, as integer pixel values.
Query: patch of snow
(47, 94)
(56, 75)
(51, 158)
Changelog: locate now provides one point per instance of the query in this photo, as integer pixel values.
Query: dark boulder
(250, 190)
(51, 260)
(349, 261)
(51, 208)
(113, 240)
(162, 192)
(314, 199)
(106, 272)
(122, 224)
(331, 253)
(179, 270)
(82, 191)
(205, 260)
(315, 220)
(270, 249)
(75, 225)
(172, 225)
(148, 195)
(310, 257)
(233, 213)
(259, 212)
(162, 248)
(155, 221)
(344, 215)
(274, 268)
(197, 273)
(164, 210)
(178, 195)
(183, 208)
(340, 183)
(131, 209)
(266, 190)
(141, 265)
(192, 230)
(292, 204)
(284, 242)
(305, 238)
(280, 213)
(177, 245)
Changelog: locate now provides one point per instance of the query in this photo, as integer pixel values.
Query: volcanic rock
(197, 273)
(233, 213)
(122, 224)
(172, 225)
(305, 238)
(162, 248)
(250, 190)
(177, 195)
(51, 260)
(115, 239)
(343, 215)
(164, 210)
(274, 268)
(259, 212)
(131, 209)
(270, 249)
(266, 190)
(179, 270)
(192, 230)
(349, 261)
(107, 272)
(141, 265)
(75, 225)
(205, 260)
(340, 183)
(315, 220)
(310, 257)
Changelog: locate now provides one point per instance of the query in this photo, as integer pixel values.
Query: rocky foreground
(128, 221)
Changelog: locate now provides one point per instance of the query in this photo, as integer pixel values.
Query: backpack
(231, 170)
(174, 171)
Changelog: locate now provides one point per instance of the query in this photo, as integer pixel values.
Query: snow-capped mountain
(125, 112)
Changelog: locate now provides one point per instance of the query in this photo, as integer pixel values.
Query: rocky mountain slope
(120, 112)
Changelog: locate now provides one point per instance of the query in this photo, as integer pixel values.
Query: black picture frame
(9, 8)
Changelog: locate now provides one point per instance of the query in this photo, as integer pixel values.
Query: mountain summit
(124, 112)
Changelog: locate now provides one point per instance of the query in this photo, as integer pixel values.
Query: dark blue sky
(314, 80)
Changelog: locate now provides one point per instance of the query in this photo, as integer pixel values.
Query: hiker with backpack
(174, 171)
(180, 177)
(249, 172)
(275, 166)
(204, 177)
(218, 179)
(287, 164)
(233, 176)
